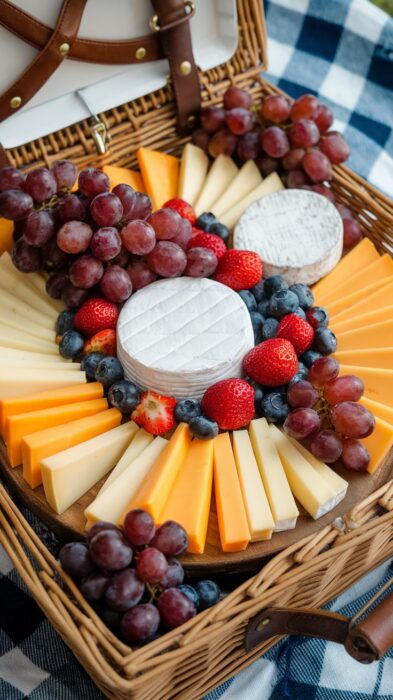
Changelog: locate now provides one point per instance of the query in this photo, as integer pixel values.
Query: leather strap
(38, 34)
(42, 67)
(175, 37)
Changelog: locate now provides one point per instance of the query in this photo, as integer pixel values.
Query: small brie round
(297, 233)
(179, 336)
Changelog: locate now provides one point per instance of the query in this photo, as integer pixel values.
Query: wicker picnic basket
(189, 661)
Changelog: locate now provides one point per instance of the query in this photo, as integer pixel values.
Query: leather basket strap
(172, 25)
(42, 67)
(37, 34)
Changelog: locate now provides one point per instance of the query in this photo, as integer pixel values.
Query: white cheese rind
(180, 336)
(298, 234)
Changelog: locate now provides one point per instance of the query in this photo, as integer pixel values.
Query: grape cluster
(133, 577)
(327, 413)
(93, 240)
(294, 140)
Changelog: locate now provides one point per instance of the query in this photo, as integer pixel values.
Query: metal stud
(263, 623)
(191, 120)
(140, 53)
(15, 102)
(185, 67)
(64, 49)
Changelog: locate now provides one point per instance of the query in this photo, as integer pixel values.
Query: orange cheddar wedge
(196, 478)
(380, 410)
(6, 229)
(47, 399)
(160, 174)
(377, 335)
(378, 383)
(17, 427)
(363, 254)
(45, 443)
(375, 357)
(381, 269)
(119, 176)
(379, 443)
(154, 491)
(378, 298)
(345, 303)
(231, 513)
(362, 321)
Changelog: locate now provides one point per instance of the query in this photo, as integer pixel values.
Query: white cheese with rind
(271, 183)
(221, 173)
(179, 336)
(298, 234)
(193, 169)
(247, 179)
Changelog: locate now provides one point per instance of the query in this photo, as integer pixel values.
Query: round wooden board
(70, 525)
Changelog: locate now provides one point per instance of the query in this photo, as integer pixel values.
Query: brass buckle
(98, 132)
(154, 22)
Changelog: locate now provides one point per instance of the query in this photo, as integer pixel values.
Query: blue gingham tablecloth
(341, 50)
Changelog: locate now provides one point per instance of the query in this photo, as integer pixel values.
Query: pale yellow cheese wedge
(25, 293)
(14, 338)
(11, 304)
(33, 279)
(246, 180)
(22, 324)
(338, 484)
(271, 183)
(220, 175)
(139, 441)
(193, 168)
(29, 381)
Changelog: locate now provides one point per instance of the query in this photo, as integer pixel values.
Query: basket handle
(366, 641)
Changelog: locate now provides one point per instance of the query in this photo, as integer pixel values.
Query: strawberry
(103, 342)
(210, 241)
(272, 362)
(96, 315)
(182, 207)
(155, 413)
(230, 403)
(297, 331)
(239, 269)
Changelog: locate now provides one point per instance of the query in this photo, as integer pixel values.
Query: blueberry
(109, 371)
(89, 364)
(258, 290)
(304, 294)
(248, 299)
(220, 230)
(71, 345)
(124, 395)
(65, 322)
(325, 341)
(191, 593)
(263, 307)
(274, 284)
(282, 303)
(209, 594)
(203, 428)
(309, 357)
(205, 220)
(257, 324)
(317, 316)
(300, 312)
(269, 329)
(258, 393)
(302, 373)
(187, 409)
(274, 407)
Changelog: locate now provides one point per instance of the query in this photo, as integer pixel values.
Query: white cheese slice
(297, 233)
(179, 336)
(29, 327)
(311, 490)
(67, 475)
(27, 356)
(34, 279)
(112, 502)
(9, 303)
(221, 173)
(246, 180)
(140, 440)
(259, 515)
(338, 484)
(25, 293)
(13, 338)
(271, 183)
(17, 364)
(193, 169)
(31, 381)
(282, 503)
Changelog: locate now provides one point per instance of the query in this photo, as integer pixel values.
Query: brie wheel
(179, 336)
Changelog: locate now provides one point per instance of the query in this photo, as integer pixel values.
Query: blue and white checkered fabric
(341, 50)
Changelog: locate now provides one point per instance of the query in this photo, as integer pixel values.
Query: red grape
(296, 179)
(99, 526)
(305, 107)
(344, 212)
(94, 586)
(302, 394)
(167, 259)
(86, 271)
(334, 146)
(274, 142)
(248, 146)
(75, 559)
(55, 284)
(301, 423)
(236, 97)
(53, 257)
(139, 527)
(317, 166)
(152, 565)
(165, 222)
(39, 228)
(138, 237)
(327, 446)
(275, 108)
(352, 419)
(124, 590)
(142, 208)
(122, 259)
(201, 262)
(171, 539)
(267, 165)
(25, 257)
(345, 388)
(127, 196)
(240, 121)
(109, 550)
(355, 455)
(293, 159)
(323, 117)
(74, 237)
(325, 192)
(174, 575)
(116, 284)
(223, 142)
(200, 138)
(212, 118)
(15, 204)
(106, 243)
(74, 297)
(140, 274)
(106, 209)
(71, 208)
(352, 233)
(40, 184)
(65, 174)
(140, 623)
(323, 370)
(184, 233)
(303, 134)
(11, 178)
(175, 608)
(92, 181)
